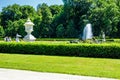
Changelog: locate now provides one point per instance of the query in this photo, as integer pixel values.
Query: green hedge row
(82, 50)
(55, 39)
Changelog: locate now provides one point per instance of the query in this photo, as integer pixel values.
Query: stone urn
(29, 28)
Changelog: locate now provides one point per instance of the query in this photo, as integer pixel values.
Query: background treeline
(61, 21)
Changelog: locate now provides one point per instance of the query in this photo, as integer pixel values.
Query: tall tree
(0, 18)
(46, 30)
(70, 30)
(27, 11)
(10, 13)
(56, 9)
(2, 32)
(14, 28)
(75, 10)
(60, 31)
(104, 16)
(118, 25)
(37, 26)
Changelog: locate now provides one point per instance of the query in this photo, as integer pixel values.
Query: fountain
(29, 28)
(87, 32)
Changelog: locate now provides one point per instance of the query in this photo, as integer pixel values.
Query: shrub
(81, 50)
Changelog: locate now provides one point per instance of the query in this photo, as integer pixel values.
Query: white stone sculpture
(29, 28)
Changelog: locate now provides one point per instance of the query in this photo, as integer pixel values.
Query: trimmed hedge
(55, 39)
(82, 50)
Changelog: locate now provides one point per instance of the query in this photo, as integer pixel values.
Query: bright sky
(34, 3)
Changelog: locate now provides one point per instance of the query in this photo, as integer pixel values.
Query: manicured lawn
(69, 65)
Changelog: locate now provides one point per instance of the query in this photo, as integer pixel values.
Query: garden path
(12, 74)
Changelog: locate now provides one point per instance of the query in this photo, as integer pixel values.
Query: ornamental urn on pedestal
(29, 28)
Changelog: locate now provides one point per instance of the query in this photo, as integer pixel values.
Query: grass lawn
(69, 65)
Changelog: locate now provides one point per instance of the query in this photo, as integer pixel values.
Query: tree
(27, 11)
(104, 17)
(13, 17)
(71, 31)
(10, 13)
(12, 28)
(46, 30)
(118, 25)
(21, 28)
(2, 32)
(15, 27)
(60, 31)
(37, 27)
(0, 18)
(56, 9)
(75, 10)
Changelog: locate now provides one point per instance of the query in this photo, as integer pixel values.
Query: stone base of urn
(29, 38)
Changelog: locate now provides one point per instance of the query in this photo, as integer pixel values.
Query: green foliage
(55, 9)
(71, 31)
(10, 13)
(74, 11)
(15, 27)
(2, 32)
(55, 39)
(63, 21)
(37, 27)
(0, 17)
(46, 29)
(103, 14)
(60, 31)
(84, 50)
(104, 17)
(13, 18)
(27, 11)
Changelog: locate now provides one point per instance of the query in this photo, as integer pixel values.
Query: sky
(34, 3)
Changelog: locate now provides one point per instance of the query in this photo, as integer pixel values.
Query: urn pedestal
(29, 28)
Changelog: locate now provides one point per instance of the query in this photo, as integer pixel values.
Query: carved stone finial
(28, 20)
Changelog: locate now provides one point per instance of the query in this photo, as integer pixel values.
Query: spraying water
(87, 32)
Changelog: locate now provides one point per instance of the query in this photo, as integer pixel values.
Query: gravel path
(11, 74)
